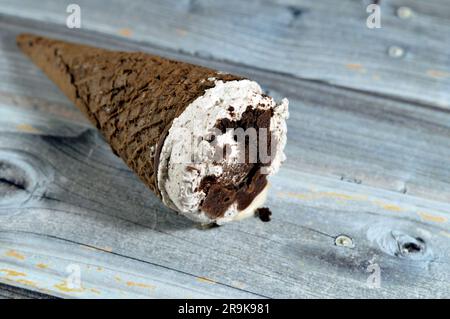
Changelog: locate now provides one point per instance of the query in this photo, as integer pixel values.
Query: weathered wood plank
(12, 292)
(44, 262)
(320, 40)
(342, 134)
(65, 199)
(62, 196)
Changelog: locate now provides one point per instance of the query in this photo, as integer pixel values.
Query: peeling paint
(181, 32)
(95, 291)
(319, 195)
(206, 280)
(388, 206)
(139, 285)
(354, 66)
(26, 282)
(14, 254)
(376, 77)
(445, 234)
(238, 284)
(126, 32)
(42, 266)
(92, 248)
(357, 67)
(12, 273)
(27, 128)
(438, 74)
(432, 218)
(65, 288)
(340, 196)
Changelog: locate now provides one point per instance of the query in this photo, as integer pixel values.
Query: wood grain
(317, 40)
(67, 204)
(343, 134)
(12, 292)
(367, 166)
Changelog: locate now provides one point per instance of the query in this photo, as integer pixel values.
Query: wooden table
(361, 207)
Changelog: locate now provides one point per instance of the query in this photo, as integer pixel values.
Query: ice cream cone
(143, 104)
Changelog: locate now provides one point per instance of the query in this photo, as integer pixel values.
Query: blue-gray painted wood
(364, 192)
(343, 130)
(12, 292)
(321, 40)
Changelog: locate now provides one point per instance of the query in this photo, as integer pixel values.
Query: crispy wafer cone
(131, 97)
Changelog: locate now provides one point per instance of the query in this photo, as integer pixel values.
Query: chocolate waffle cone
(131, 97)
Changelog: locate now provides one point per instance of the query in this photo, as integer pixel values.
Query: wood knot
(12, 179)
(401, 244)
(20, 179)
(408, 245)
(296, 12)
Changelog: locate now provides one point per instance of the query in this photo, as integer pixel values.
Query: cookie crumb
(231, 111)
(264, 214)
(207, 226)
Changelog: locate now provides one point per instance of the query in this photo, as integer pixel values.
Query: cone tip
(26, 40)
